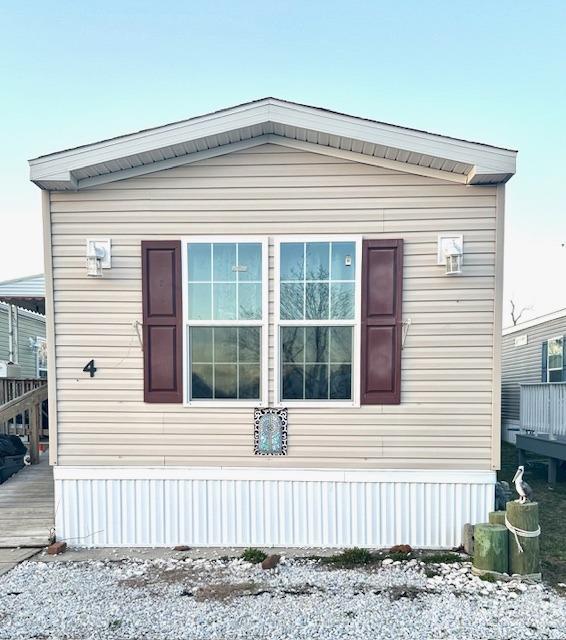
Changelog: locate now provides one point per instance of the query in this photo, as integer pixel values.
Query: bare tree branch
(516, 314)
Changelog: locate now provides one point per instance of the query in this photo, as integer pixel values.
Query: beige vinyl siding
(445, 419)
(523, 364)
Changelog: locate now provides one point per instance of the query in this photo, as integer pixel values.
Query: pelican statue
(523, 488)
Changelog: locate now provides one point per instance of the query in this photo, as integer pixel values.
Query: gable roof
(271, 120)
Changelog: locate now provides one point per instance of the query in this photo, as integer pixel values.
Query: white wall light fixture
(451, 253)
(98, 256)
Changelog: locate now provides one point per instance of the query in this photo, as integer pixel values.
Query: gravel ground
(173, 599)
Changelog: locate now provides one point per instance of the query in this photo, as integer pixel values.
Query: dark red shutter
(382, 285)
(162, 321)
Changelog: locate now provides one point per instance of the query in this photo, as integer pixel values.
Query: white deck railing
(543, 407)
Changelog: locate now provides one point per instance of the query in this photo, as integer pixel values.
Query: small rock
(181, 547)
(401, 548)
(271, 561)
(387, 561)
(56, 548)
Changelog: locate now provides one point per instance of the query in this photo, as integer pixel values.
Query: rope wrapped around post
(517, 532)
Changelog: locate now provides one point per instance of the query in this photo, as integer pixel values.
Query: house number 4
(90, 368)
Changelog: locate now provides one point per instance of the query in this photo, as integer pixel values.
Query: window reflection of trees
(311, 358)
(245, 384)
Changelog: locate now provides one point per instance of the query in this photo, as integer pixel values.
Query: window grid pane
(234, 354)
(217, 287)
(326, 279)
(309, 362)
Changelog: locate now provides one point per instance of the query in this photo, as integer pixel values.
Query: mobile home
(274, 324)
(23, 349)
(533, 370)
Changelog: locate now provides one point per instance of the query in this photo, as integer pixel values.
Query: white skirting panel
(103, 506)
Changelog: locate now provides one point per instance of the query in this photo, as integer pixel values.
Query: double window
(315, 327)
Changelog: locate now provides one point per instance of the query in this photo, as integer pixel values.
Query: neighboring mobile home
(532, 366)
(22, 328)
(295, 339)
(22, 342)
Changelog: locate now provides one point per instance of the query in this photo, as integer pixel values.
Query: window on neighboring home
(41, 357)
(555, 359)
(318, 320)
(225, 320)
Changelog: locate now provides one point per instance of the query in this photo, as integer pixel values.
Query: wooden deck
(27, 506)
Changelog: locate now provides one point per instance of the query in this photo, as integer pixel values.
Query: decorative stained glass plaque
(270, 432)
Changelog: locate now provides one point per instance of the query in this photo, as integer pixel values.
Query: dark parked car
(12, 452)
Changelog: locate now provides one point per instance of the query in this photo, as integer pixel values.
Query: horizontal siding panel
(119, 352)
(238, 190)
(352, 453)
(72, 248)
(412, 341)
(411, 238)
(317, 462)
(115, 324)
(444, 383)
(431, 287)
(197, 170)
(203, 441)
(410, 362)
(171, 185)
(186, 222)
(129, 395)
(420, 322)
(158, 411)
(140, 423)
(120, 275)
(279, 201)
(121, 262)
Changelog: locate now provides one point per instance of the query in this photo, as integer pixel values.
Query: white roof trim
(180, 141)
(24, 287)
(528, 324)
(268, 139)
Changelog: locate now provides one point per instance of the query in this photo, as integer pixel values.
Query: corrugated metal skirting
(288, 513)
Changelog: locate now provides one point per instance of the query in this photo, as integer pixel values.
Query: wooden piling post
(497, 517)
(34, 430)
(524, 517)
(491, 549)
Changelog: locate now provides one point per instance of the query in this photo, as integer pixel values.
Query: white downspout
(13, 334)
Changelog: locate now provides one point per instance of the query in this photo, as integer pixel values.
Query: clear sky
(492, 71)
